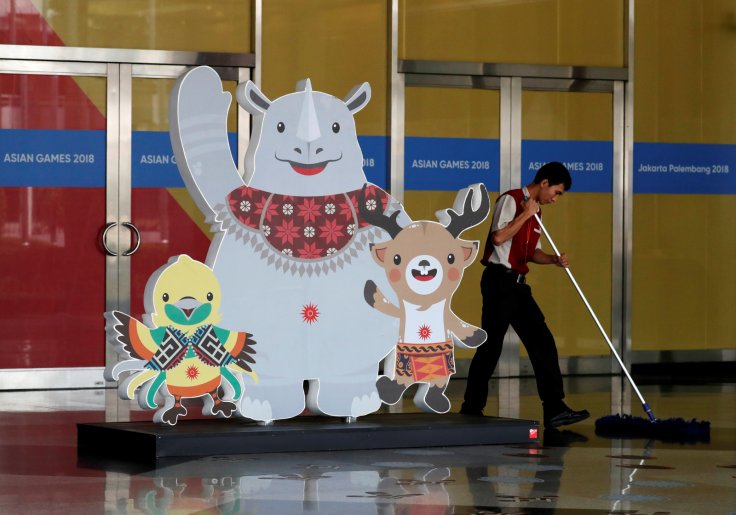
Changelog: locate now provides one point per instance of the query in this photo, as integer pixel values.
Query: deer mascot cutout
(424, 263)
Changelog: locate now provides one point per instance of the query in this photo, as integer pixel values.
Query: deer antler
(377, 218)
(469, 217)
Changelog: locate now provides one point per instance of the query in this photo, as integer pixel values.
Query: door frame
(119, 67)
(511, 80)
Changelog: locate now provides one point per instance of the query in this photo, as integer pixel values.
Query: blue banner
(590, 162)
(681, 168)
(76, 158)
(449, 164)
(153, 162)
(52, 158)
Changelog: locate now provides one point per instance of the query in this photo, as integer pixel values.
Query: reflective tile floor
(568, 471)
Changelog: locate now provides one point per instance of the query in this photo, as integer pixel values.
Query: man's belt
(509, 273)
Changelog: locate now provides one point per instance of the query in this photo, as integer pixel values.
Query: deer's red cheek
(453, 274)
(394, 275)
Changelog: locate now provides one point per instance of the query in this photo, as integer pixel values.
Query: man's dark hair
(555, 173)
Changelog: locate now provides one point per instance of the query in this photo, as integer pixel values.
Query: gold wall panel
(580, 32)
(452, 113)
(685, 76)
(191, 25)
(337, 44)
(684, 272)
(567, 116)
(683, 245)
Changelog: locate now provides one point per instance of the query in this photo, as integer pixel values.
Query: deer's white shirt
(424, 326)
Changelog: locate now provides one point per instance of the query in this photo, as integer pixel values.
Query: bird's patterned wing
(239, 346)
(242, 349)
(130, 336)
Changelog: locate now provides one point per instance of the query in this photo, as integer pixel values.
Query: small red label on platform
(533, 433)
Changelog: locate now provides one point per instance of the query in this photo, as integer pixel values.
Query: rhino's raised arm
(198, 124)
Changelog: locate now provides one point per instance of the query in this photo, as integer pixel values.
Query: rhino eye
(335, 127)
(397, 259)
(280, 127)
(451, 258)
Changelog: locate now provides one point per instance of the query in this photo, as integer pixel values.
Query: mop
(628, 426)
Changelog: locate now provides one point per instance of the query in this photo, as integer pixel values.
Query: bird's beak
(187, 305)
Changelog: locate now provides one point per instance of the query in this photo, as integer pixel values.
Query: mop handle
(647, 409)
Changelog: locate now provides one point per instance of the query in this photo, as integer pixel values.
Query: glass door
(52, 214)
(91, 203)
(576, 129)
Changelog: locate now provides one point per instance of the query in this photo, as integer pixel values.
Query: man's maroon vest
(524, 242)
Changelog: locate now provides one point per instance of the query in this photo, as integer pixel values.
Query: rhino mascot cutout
(291, 249)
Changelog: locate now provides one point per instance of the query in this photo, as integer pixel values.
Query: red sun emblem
(310, 313)
(192, 373)
(425, 332)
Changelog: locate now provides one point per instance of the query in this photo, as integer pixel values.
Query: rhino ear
(358, 97)
(251, 99)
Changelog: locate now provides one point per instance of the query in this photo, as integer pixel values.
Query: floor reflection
(569, 470)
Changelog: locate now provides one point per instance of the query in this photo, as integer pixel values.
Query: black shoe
(565, 417)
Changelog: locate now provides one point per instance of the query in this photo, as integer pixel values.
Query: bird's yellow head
(186, 294)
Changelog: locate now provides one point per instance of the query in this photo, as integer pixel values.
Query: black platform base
(147, 442)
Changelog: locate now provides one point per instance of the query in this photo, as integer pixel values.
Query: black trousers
(507, 302)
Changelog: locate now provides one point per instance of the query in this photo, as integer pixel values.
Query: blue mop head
(671, 429)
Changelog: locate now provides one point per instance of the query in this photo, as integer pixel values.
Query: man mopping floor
(513, 242)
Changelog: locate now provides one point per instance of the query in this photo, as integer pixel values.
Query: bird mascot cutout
(181, 348)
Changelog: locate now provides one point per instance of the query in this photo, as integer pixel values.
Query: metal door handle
(104, 239)
(132, 250)
(137, 243)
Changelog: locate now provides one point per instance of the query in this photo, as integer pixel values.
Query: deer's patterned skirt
(424, 361)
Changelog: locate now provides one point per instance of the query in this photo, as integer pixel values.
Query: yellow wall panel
(193, 25)
(452, 113)
(683, 272)
(683, 246)
(685, 79)
(567, 116)
(525, 31)
(337, 44)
